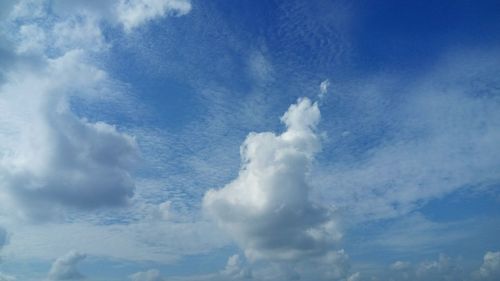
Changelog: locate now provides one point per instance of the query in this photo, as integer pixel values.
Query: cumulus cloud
(149, 275)
(5, 277)
(490, 269)
(49, 155)
(267, 208)
(31, 39)
(65, 267)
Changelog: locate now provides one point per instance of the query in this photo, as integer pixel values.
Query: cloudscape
(267, 140)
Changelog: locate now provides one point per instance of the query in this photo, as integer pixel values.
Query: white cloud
(78, 23)
(267, 208)
(78, 33)
(260, 68)
(442, 138)
(442, 269)
(48, 155)
(157, 241)
(132, 13)
(28, 9)
(65, 267)
(400, 265)
(235, 270)
(149, 275)
(490, 269)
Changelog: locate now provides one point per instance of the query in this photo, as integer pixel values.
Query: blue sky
(152, 140)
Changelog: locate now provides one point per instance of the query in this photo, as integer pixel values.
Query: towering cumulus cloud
(266, 208)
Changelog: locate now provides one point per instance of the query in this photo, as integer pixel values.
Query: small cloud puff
(267, 208)
(65, 267)
(149, 275)
(5, 277)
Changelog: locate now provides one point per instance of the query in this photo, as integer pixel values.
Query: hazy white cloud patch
(49, 155)
(416, 233)
(50, 158)
(149, 275)
(441, 269)
(490, 269)
(3, 241)
(267, 208)
(323, 88)
(79, 33)
(235, 269)
(354, 277)
(441, 139)
(444, 268)
(65, 267)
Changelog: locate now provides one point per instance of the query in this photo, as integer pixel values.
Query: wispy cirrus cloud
(440, 138)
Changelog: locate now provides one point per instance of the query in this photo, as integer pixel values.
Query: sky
(190, 140)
